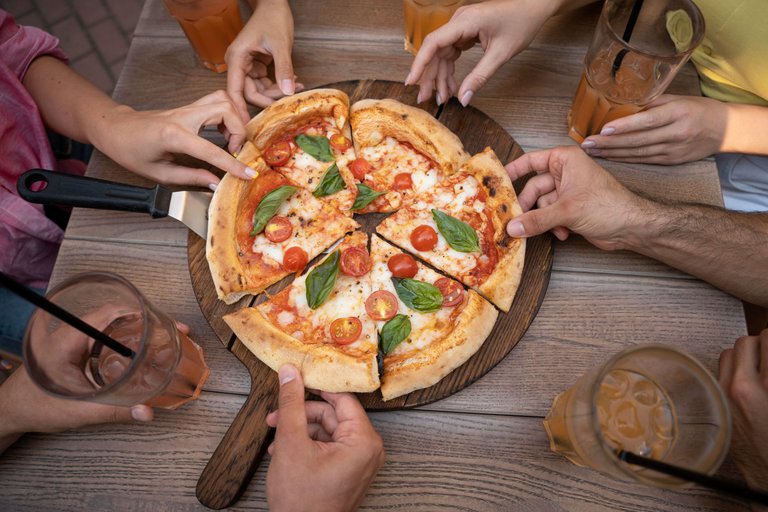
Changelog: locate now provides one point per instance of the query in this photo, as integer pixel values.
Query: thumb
(292, 420)
(284, 72)
(535, 222)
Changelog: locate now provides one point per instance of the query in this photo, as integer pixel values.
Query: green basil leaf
(418, 295)
(394, 332)
(365, 195)
(268, 207)
(458, 234)
(331, 183)
(316, 145)
(321, 280)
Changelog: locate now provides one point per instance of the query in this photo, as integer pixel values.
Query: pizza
(397, 312)
(458, 226)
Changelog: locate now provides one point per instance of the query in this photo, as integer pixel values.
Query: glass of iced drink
(423, 16)
(167, 369)
(652, 400)
(636, 50)
(210, 26)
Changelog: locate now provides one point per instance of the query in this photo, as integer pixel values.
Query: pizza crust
(321, 366)
(374, 120)
(428, 366)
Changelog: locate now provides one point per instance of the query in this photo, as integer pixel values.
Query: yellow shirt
(732, 60)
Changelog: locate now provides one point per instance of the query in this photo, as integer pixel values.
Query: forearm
(746, 126)
(68, 103)
(727, 249)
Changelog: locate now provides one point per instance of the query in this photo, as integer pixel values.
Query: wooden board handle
(239, 454)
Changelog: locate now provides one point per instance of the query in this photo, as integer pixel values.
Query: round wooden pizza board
(240, 451)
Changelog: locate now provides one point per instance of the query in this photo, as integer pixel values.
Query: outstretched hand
(325, 453)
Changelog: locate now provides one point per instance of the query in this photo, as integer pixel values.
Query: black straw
(627, 34)
(727, 486)
(65, 316)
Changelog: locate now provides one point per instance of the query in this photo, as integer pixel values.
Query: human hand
(324, 453)
(268, 35)
(573, 193)
(744, 378)
(145, 142)
(671, 130)
(502, 27)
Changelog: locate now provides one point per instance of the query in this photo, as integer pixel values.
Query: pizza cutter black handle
(55, 188)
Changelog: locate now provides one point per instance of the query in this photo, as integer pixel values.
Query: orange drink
(423, 16)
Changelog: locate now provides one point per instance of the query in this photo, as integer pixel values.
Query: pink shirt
(29, 241)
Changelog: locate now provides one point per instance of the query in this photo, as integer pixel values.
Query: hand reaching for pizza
(744, 378)
(324, 453)
(267, 36)
(145, 142)
(502, 27)
(573, 193)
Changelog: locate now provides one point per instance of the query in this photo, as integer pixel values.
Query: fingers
(535, 222)
(535, 189)
(196, 146)
(489, 63)
(142, 413)
(535, 161)
(236, 90)
(645, 120)
(284, 71)
(443, 92)
(253, 94)
(169, 173)
(292, 420)
(745, 358)
(346, 406)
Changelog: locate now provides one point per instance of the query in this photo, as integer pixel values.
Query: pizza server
(55, 188)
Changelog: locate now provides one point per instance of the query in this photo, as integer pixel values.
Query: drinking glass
(210, 26)
(652, 400)
(423, 16)
(636, 50)
(167, 369)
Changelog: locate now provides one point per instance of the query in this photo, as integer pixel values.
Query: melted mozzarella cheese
(423, 180)
(285, 318)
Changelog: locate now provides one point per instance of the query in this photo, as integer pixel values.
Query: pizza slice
(307, 138)
(401, 152)
(428, 324)
(260, 231)
(458, 226)
(319, 324)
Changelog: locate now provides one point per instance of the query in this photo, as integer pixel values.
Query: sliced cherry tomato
(346, 330)
(453, 292)
(381, 305)
(295, 259)
(402, 265)
(403, 181)
(355, 261)
(360, 167)
(278, 229)
(278, 154)
(340, 142)
(424, 238)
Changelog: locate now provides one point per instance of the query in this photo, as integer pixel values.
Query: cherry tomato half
(403, 181)
(381, 305)
(295, 259)
(402, 265)
(424, 238)
(340, 142)
(278, 154)
(355, 261)
(453, 292)
(278, 229)
(360, 167)
(346, 330)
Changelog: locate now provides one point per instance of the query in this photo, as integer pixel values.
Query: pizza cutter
(55, 188)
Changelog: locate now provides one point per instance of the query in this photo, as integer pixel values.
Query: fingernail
(588, 144)
(287, 86)
(608, 130)
(592, 151)
(286, 374)
(467, 98)
(251, 173)
(141, 413)
(439, 99)
(408, 78)
(213, 186)
(419, 99)
(515, 229)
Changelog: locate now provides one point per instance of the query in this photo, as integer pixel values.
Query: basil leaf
(316, 145)
(321, 279)
(268, 207)
(418, 295)
(458, 234)
(331, 183)
(365, 195)
(394, 332)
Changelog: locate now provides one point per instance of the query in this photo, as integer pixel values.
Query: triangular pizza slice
(319, 323)
(459, 227)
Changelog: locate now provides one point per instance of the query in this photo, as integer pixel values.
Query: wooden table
(481, 449)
